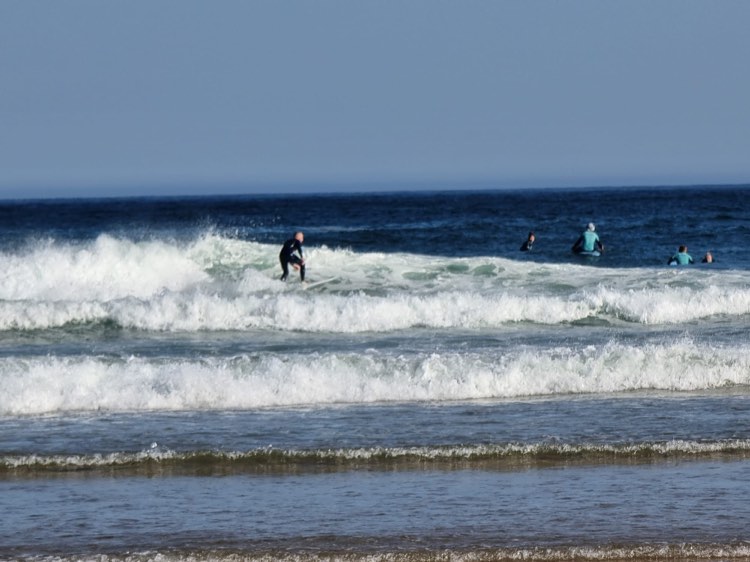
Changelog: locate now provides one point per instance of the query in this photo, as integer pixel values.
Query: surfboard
(318, 283)
(592, 254)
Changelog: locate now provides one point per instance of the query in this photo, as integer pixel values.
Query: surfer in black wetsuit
(526, 246)
(288, 255)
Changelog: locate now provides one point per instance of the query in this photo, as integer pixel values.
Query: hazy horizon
(323, 190)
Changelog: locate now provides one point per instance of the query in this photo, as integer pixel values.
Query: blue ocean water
(163, 396)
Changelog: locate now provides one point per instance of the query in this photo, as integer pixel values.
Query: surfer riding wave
(291, 253)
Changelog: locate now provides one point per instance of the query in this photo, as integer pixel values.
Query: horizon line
(342, 188)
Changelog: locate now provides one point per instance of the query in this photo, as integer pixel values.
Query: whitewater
(218, 283)
(229, 286)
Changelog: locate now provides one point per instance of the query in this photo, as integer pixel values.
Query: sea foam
(219, 283)
(69, 384)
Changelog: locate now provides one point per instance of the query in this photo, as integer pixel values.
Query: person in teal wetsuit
(588, 241)
(681, 257)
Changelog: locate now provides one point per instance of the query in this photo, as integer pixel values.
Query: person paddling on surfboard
(681, 257)
(291, 253)
(588, 241)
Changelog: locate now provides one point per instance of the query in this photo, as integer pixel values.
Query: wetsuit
(587, 242)
(287, 256)
(681, 258)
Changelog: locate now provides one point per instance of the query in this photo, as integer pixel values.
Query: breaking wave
(219, 283)
(36, 385)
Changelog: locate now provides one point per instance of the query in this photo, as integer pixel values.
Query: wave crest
(68, 384)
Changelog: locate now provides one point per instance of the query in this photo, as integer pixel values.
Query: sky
(149, 97)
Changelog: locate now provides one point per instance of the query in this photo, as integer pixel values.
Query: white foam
(105, 269)
(68, 384)
(271, 307)
(672, 305)
(219, 283)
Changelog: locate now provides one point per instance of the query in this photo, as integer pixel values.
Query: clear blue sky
(113, 97)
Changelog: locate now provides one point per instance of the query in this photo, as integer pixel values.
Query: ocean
(164, 396)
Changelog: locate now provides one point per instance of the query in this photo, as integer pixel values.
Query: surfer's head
(299, 236)
(591, 227)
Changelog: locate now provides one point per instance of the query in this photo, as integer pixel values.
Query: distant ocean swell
(39, 385)
(160, 461)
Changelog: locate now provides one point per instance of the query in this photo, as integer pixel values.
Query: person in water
(526, 246)
(708, 258)
(291, 253)
(681, 257)
(588, 241)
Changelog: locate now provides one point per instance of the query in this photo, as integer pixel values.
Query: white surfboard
(318, 283)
